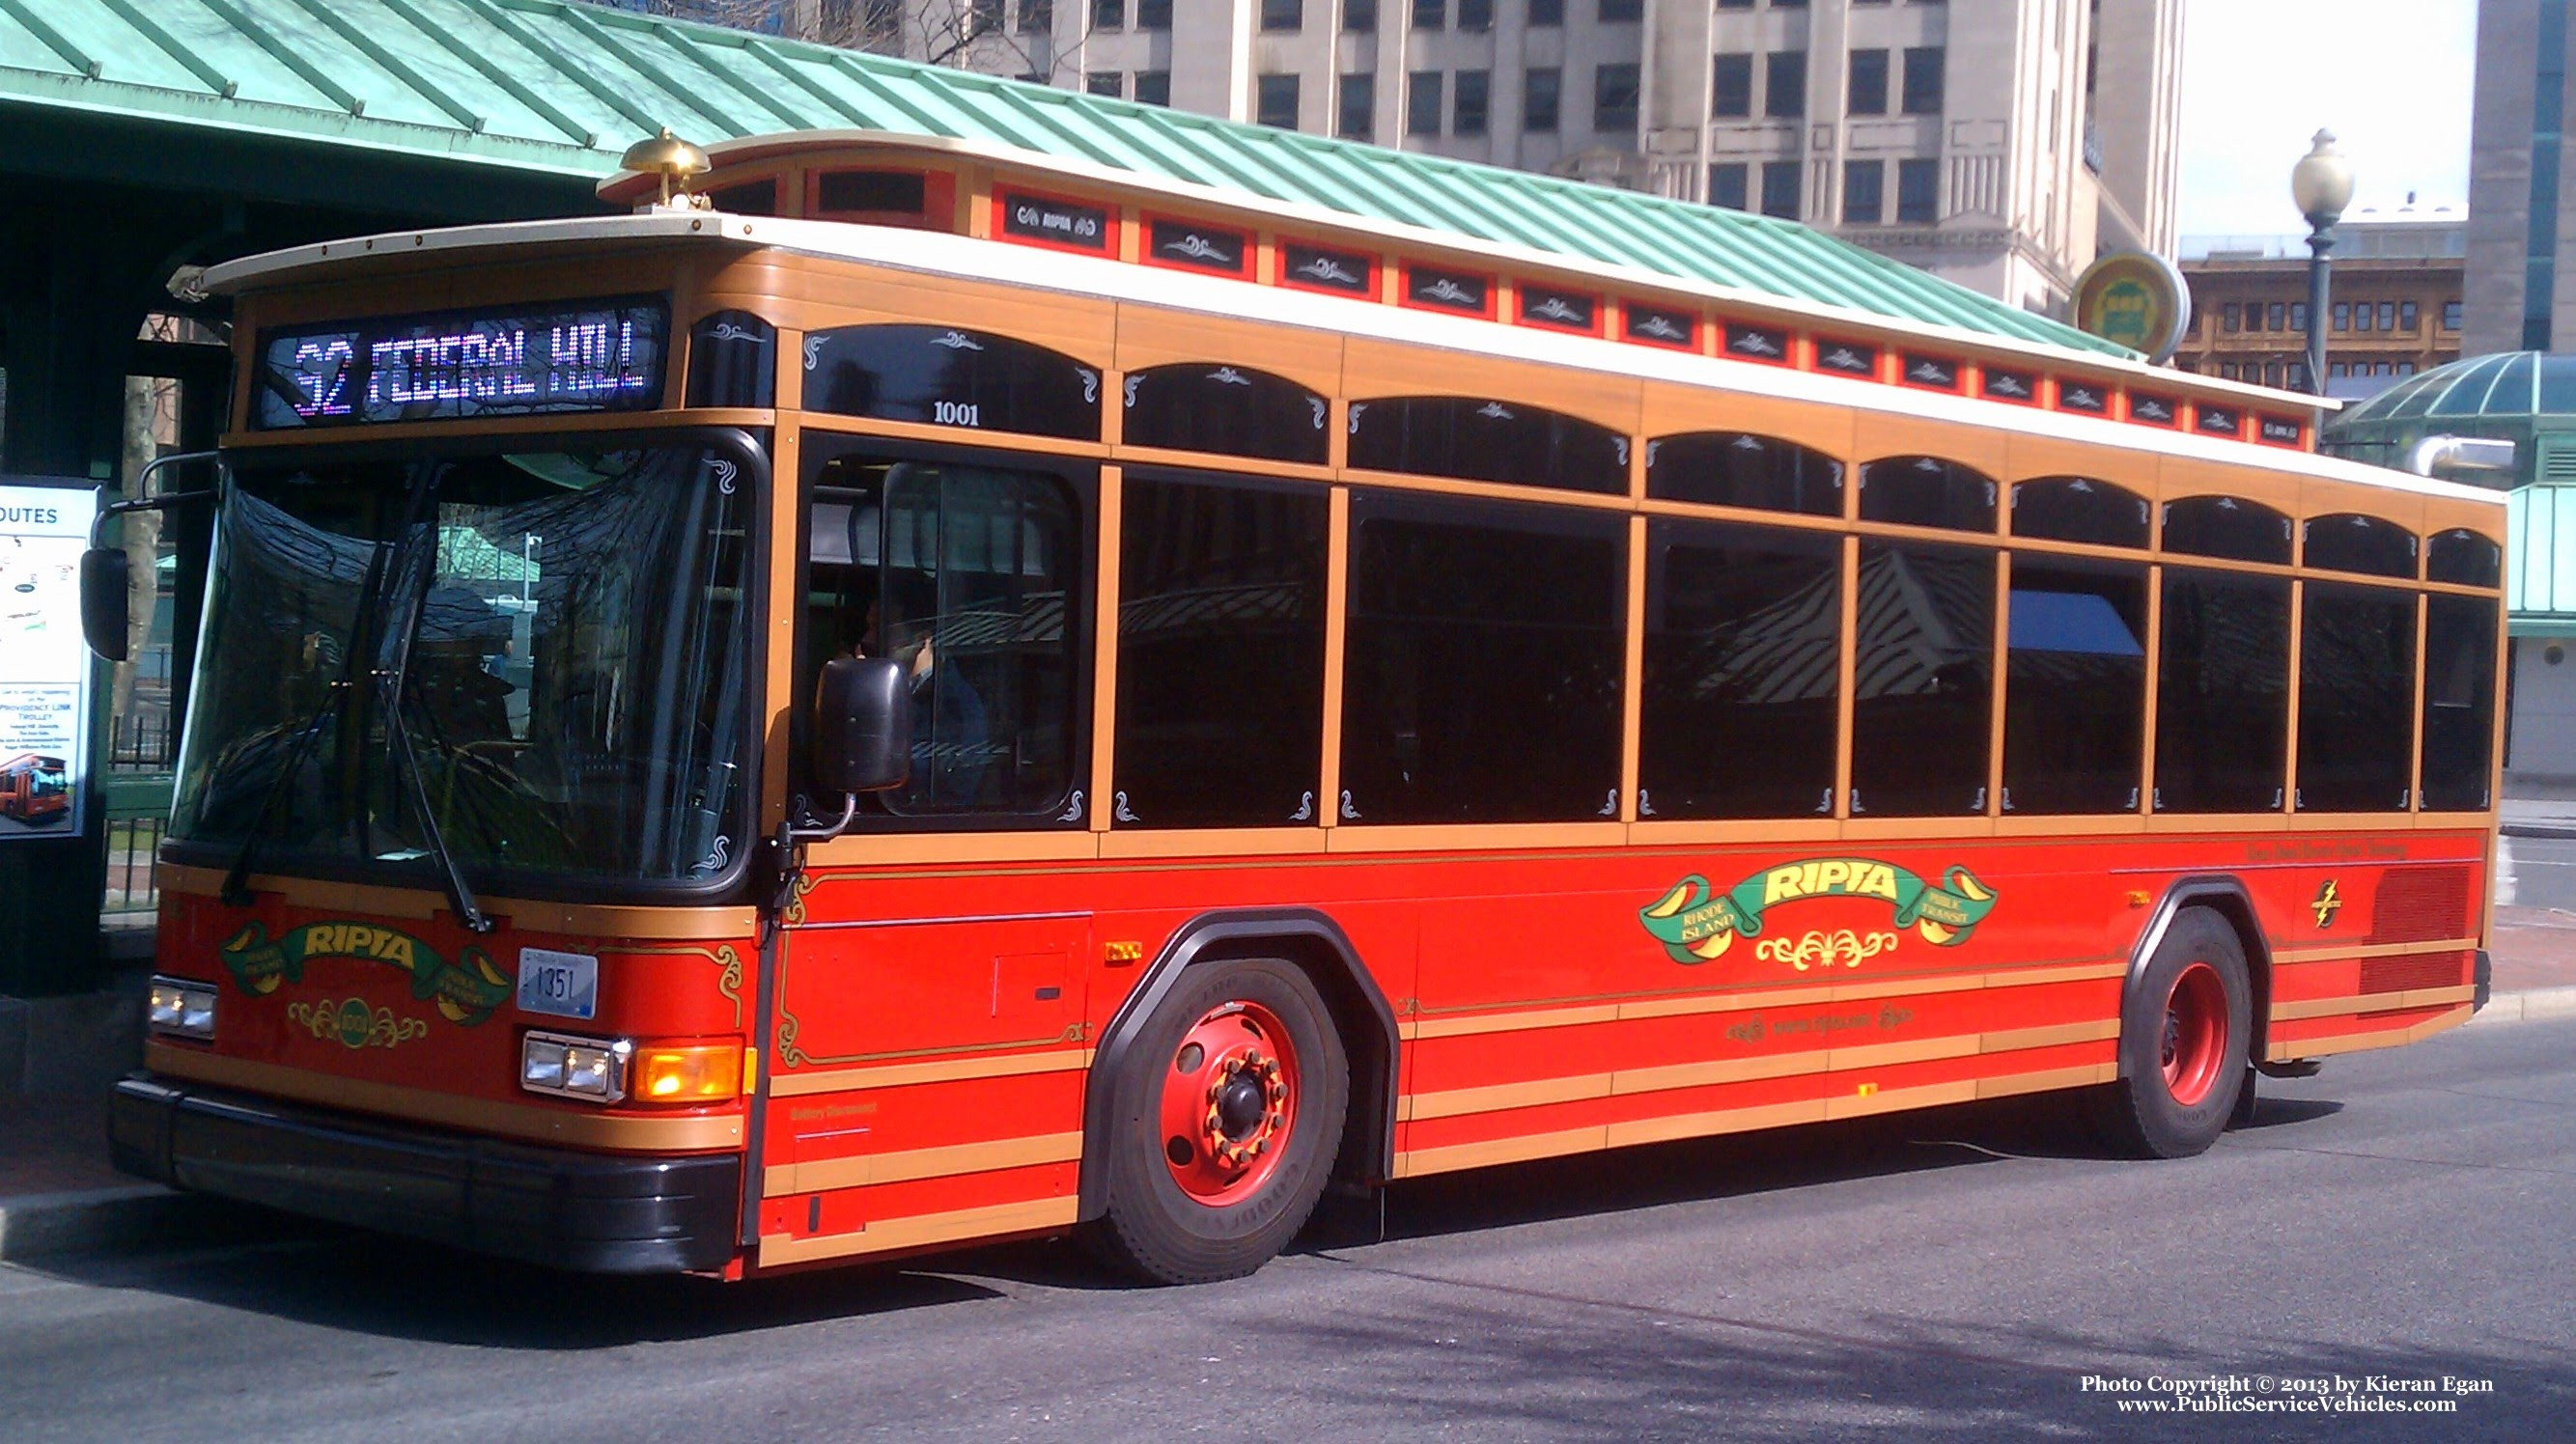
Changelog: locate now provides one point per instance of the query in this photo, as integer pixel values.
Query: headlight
(177, 1005)
(591, 1069)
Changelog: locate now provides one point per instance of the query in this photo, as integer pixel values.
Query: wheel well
(1317, 947)
(2226, 897)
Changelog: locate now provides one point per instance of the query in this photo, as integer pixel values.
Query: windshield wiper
(394, 681)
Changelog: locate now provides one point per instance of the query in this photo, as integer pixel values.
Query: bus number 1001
(956, 413)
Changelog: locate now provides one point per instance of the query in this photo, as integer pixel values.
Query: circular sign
(2137, 299)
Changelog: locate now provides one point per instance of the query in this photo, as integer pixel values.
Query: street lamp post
(2322, 185)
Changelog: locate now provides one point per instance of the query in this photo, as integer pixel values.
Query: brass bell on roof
(674, 160)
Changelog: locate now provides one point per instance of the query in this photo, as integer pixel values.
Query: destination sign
(587, 356)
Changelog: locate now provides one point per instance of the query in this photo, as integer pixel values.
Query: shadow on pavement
(348, 1279)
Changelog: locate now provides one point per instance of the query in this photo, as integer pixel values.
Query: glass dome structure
(2525, 397)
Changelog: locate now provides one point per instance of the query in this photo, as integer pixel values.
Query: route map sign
(44, 667)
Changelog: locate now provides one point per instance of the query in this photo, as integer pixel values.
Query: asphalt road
(1948, 1275)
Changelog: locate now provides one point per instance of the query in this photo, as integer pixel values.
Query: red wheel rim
(1229, 1103)
(2195, 1036)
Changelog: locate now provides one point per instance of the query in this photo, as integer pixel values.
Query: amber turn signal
(685, 1073)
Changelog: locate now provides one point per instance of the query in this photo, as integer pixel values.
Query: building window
(1283, 14)
(1430, 14)
(2227, 370)
(1614, 98)
(1615, 12)
(2361, 317)
(2338, 370)
(2343, 315)
(1037, 17)
(1784, 84)
(2273, 316)
(1546, 12)
(2299, 317)
(1105, 82)
(1540, 92)
(1475, 16)
(1153, 14)
(2231, 317)
(2296, 377)
(1467, 106)
(2407, 316)
(1153, 87)
(2405, 368)
(1734, 4)
(2450, 315)
(1918, 192)
(1864, 192)
(1868, 82)
(2387, 315)
(1731, 86)
(1108, 14)
(1726, 185)
(1278, 101)
(1358, 120)
(1923, 80)
(2271, 373)
(1359, 17)
(1780, 189)
(1422, 103)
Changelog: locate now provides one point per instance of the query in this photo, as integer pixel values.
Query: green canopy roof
(560, 88)
(2525, 397)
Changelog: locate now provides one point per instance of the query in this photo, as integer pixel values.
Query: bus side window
(971, 577)
(1924, 680)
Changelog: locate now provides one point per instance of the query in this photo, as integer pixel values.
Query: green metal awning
(558, 88)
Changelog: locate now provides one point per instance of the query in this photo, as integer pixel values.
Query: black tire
(1155, 1229)
(2140, 1115)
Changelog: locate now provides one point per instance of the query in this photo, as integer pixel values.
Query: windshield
(545, 651)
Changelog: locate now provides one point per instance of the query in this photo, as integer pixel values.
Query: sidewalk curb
(125, 1218)
(2528, 1006)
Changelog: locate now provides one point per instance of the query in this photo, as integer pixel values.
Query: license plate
(564, 984)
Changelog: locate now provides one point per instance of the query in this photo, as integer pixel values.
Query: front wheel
(1228, 1113)
(2186, 1032)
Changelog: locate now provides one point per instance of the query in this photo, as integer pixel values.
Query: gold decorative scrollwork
(796, 898)
(352, 1024)
(1824, 950)
(791, 1056)
(728, 963)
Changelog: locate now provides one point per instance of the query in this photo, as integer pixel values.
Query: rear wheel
(1228, 1114)
(2185, 1031)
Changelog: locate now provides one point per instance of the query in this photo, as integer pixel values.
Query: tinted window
(2459, 701)
(1220, 654)
(965, 574)
(2227, 526)
(733, 361)
(1733, 468)
(2365, 544)
(1487, 441)
(2075, 685)
(1743, 660)
(1927, 491)
(2222, 692)
(1484, 656)
(944, 377)
(2079, 509)
(1924, 678)
(1198, 407)
(2356, 698)
(2465, 558)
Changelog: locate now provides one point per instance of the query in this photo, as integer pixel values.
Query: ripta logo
(1696, 924)
(466, 991)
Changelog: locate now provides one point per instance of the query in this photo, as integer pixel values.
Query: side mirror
(102, 601)
(862, 725)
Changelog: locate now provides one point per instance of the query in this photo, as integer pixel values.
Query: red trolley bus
(725, 741)
(34, 789)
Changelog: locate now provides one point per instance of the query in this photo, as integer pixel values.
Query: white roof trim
(945, 254)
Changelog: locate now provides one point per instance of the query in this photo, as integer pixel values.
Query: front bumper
(593, 1212)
